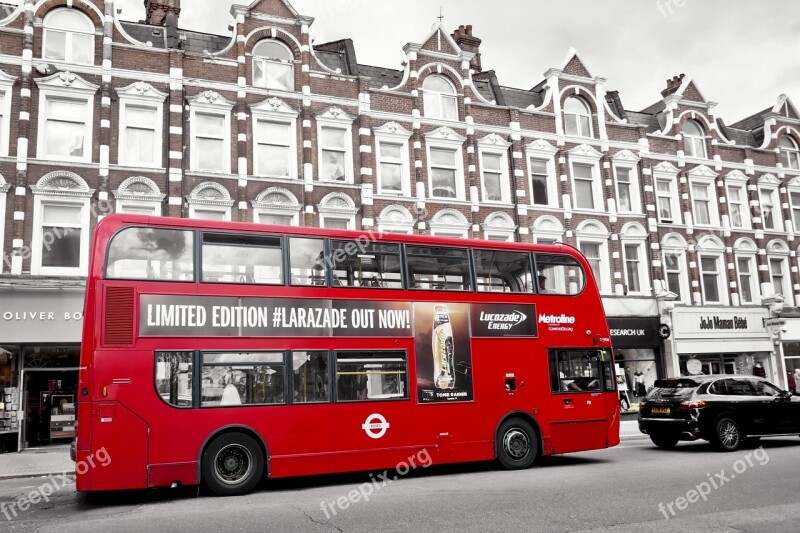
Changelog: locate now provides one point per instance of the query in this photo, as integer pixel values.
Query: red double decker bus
(226, 353)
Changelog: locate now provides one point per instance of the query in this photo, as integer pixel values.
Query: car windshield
(668, 389)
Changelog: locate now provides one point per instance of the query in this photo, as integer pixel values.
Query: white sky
(742, 54)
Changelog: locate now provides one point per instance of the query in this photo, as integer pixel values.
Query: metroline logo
(556, 319)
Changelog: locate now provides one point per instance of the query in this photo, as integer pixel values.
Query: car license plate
(660, 410)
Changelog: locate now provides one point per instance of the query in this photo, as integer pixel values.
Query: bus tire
(232, 464)
(516, 444)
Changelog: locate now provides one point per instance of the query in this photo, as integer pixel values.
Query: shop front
(638, 356)
(723, 340)
(40, 333)
(790, 373)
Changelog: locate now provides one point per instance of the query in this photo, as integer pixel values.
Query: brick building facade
(683, 216)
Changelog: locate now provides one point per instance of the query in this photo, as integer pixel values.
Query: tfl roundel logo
(375, 426)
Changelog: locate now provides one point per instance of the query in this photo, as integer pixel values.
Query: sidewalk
(45, 461)
(629, 430)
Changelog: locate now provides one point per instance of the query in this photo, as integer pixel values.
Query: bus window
(500, 271)
(229, 258)
(151, 254)
(438, 268)
(310, 377)
(174, 377)
(366, 265)
(559, 274)
(575, 370)
(365, 376)
(307, 261)
(229, 379)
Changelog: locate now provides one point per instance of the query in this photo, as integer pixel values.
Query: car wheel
(665, 442)
(727, 434)
(232, 464)
(516, 444)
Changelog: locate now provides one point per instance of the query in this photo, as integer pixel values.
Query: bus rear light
(694, 404)
(105, 392)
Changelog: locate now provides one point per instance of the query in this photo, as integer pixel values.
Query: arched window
(790, 155)
(68, 36)
(273, 66)
(577, 118)
(694, 139)
(439, 98)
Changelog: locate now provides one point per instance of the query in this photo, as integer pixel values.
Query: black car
(727, 411)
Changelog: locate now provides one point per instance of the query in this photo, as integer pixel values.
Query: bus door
(578, 411)
(374, 420)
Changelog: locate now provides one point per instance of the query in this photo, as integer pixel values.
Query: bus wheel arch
(240, 450)
(514, 430)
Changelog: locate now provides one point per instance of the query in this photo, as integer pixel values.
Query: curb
(4, 477)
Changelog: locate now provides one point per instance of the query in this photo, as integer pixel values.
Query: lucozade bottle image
(442, 339)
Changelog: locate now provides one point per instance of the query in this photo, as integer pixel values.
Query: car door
(784, 414)
(750, 411)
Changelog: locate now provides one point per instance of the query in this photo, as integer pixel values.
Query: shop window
(310, 377)
(174, 377)
(231, 379)
(501, 271)
(151, 254)
(371, 376)
(253, 259)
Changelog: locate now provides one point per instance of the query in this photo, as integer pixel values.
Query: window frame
(267, 61)
(200, 248)
(597, 199)
(4, 188)
(69, 56)
(603, 278)
(221, 109)
(41, 201)
(393, 133)
(750, 259)
(50, 94)
(775, 210)
(541, 150)
(201, 364)
(457, 148)
(410, 282)
(713, 210)
(7, 95)
(794, 194)
(787, 292)
(721, 277)
(641, 266)
(693, 141)
(150, 99)
(388, 353)
(578, 116)
(743, 203)
(428, 94)
(667, 174)
(346, 128)
(790, 155)
(635, 196)
(684, 297)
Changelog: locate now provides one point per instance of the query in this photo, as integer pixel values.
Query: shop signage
(41, 316)
(725, 322)
(634, 332)
(717, 322)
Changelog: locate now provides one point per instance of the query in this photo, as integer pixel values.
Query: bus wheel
(232, 464)
(516, 444)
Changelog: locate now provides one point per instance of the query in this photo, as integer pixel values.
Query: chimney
(156, 11)
(469, 43)
(673, 85)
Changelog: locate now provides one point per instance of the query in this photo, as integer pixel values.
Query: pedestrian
(791, 382)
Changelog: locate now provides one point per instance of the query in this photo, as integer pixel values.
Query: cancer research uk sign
(220, 316)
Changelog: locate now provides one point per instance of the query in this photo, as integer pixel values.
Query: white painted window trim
(493, 144)
(688, 140)
(442, 97)
(350, 220)
(400, 224)
(142, 96)
(450, 223)
(291, 208)
(269, 61)
(777, 212)
(683, 275)
(217, 205)
(787, 293)
(713, 201)
(588, 114)
(129, 199)
(636, 196)
(337, 119)
(4, 188)
(604, 284)
(542, 150)
(393, 133)
(547, 227)
(210, 103)
(754, 285)
(644, 278)
(48, 92)
(6, 91)
(258, 211)
(506, 236)
(193, 207)
(794, 187)
(732, 181)
(40, 200)
(590, 158)
(454, 144)
(722, 277)
(68, 41)
(668, 173)
(278, 112)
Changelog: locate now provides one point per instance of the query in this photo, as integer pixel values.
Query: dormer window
(577, 118)
(439, 98)
(790, 155)
(68, 36)
(273, 66)
(694, 140)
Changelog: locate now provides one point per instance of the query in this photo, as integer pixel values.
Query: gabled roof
(574, 63)
(290, 11)
(446, 40)
(753, 121)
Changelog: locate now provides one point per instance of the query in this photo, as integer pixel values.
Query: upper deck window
(370, 265)
(151, 254)
(438, 268)
(252, 259)
(559, 274)
(503, 271)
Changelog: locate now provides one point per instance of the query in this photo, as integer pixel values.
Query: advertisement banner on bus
(220, 316)
(444, 359)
